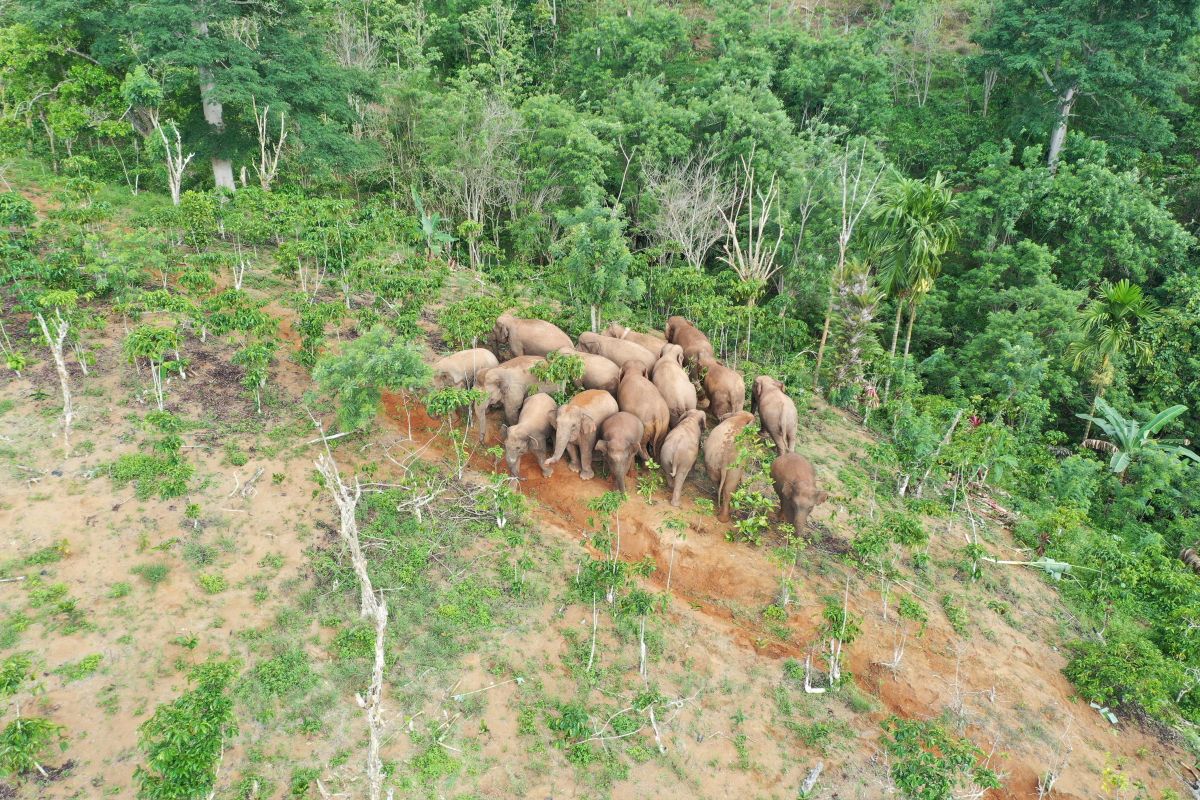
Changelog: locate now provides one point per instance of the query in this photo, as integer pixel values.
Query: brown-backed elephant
(618, 351)
(460, 369)
(637, 395)
(673, 382)
(724, 387)
(598, 371)
(527, 337)
(577, 424)
(532, 433)
(507, 385)
(720, 453)
(796, 484)
(647, 340)
(693, 341)
(777, 411)
(679, 451)
(620, 441)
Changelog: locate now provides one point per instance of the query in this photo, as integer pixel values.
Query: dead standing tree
(373, 706)
(56, 341)
(177, 162)
(752, 258)
(856, 198)
(692, 196)
(346, 498)
(269, 150)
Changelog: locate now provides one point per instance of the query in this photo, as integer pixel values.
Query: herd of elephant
(638, 401)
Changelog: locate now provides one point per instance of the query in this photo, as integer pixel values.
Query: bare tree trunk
(1059, 136)
(56, 342)
(214, 115)
(347, 503)
(887, 384)
(373, 706)
(912, 315)
(177, 162)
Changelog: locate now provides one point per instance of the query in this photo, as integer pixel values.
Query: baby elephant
(532, 434)
(770, 399)
(461, 369)
(724, 387)
(796, 484)
(679, 451)
(620, 440)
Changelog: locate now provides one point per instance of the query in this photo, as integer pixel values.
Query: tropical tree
(1129, 440)
(919, 217)
(1110, 326)
(596, 258)
(376, 360)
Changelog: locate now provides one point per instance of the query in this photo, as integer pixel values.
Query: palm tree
(919, 218)
(1129, 441)
(1109, 327)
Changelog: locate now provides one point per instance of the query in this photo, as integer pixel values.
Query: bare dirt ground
(742, 728)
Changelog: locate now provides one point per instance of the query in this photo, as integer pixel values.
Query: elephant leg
(681, 474)
(586, 444)
(573, 457)
(730, 480)
(542, 454)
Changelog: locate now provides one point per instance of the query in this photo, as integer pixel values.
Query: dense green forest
(971, 224)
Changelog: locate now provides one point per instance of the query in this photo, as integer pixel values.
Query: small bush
(1127, 668)
(212, 583)
(929, 763)
(24, 742)
(163, 476)
(14, 670)
(153, 574)
(78, 670)
(119, 589)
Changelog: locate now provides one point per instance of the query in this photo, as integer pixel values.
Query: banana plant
(435, 237)
(1128, 440)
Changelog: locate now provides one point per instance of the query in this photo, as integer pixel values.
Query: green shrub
(1126, 668)
(929, 763)
(78, 670)
(153, 574)
(212, 583)
(183, 740)
(13, 672)
(24, 741)
(152, 475)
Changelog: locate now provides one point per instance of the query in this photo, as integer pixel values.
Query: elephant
(796, 484)
(777, 411)
(598, 371)
(720, 453)
(679, 451)
(531, 433)
(693, 341)
(620, 440)
(637, 395)
(673, 382)
(647, 340)
(461, 369)
(527, 337)
(508, 385)
(577, 424)
(724, 387)
(618, 351)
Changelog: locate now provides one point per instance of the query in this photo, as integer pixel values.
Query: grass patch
(153, 574)
(78, 670)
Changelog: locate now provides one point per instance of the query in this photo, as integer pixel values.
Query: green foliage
(448, 401)
(152, 475)
(930, 763)
(14, 671)
(956, 616)
(565, 369)
(24, 743)
(1131, 441)
(78, 670)
(376, 361)
(468, 322)
(184, 739)
(152, 574)
(596, 257)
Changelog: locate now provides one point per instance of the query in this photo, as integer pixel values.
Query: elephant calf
(673, 383)
(796, 484)
(620, 441)
(507, 385)
(461, 369)
(679, 451)
(531, 434)
(777, 411)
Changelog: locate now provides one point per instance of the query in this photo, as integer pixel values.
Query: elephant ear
(822, 496)
(552, 418)
(587, 427)
(601, 446)
(503, 431)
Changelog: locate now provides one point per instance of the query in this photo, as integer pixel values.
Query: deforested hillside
(493, 399)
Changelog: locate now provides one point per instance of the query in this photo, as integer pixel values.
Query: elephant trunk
(562, 438)
(480, 410)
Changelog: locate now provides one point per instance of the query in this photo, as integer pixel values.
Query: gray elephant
(673, 382)
(527, 337)
(461, 369)
(777, 411)
(637, 395)
(647, 340)
(598, 371)
(796, 484)
(679, 451)
(720, 453)
(531, 434)
(507, 385)
(618, 351)
(577, 424)
(724, 387)
(620, 441)
(693, 341)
